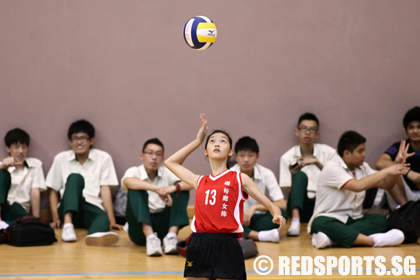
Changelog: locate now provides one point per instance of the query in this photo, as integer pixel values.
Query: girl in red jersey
(213, 251)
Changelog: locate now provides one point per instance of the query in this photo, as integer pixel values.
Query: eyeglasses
(83, 139)
(151, 154)
(308, 129)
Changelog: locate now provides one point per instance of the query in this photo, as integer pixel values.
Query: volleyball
(200, 32)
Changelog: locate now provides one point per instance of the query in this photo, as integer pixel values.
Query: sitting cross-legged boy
(340, 194)
(258, 223)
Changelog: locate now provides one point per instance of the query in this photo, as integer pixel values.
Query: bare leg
(295, 213)
(398, 192)
(173, 229)
(364, 240)
(253, 235)
(147, 229)
(68, 217)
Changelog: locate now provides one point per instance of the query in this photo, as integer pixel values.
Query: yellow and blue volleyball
(200, 33)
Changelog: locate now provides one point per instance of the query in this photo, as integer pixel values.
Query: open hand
(403, 153)
(203, 129)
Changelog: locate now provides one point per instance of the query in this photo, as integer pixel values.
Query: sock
(295, 225)
(269, 235)
(171, 234)
(152, 236)
(68, 225)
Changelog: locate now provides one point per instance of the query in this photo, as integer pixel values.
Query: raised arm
(174, 162)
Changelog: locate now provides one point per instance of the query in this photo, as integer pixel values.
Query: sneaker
(102, 239)
(320, 240)
(153, 246)
(68, 234)
(3, 225)
(169, 245)
(294, 229)
(392, 237)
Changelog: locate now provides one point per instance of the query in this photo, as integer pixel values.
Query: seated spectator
(258, 221)
(339, 197)
(21, 180)
(407, 187)
(300, 168)
(83, 177)
(156, 202)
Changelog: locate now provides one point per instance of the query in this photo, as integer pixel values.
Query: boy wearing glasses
(300, 168)
(21, 180)
(83, 176)
(156, 202)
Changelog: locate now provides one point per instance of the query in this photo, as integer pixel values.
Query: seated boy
(300, 168)
(409, 186)
(83, 176)
(156, 202)
(258, 223)
(339, 197)
(21, 180)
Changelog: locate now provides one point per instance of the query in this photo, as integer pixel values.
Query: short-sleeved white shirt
(23, 181)
(164, 177)
(97, 171)
(334, 201)
(322, 152)
(266, 181)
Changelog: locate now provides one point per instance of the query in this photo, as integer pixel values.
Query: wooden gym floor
(126, 260)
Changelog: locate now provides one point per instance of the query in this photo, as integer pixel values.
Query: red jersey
(219, 204)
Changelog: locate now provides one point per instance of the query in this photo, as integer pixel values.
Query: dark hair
(412, 115)
(16, 136)
(153, 141)
(349, 141)
(225, 133)
(308, 116)
(246, 143)
(81, 126)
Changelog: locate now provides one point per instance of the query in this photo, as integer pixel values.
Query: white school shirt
(322, 152)
(266, 181)
(164, 177)
(97, 171)
(334, 201)
(23, 181)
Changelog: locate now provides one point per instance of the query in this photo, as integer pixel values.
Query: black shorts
(215, 255)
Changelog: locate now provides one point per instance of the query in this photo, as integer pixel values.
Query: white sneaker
(294, 229)
(3, 225)
(320, 240)
(169, 245)
(153, 246)
(102, 239)
(392, 237)
(68, 234)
